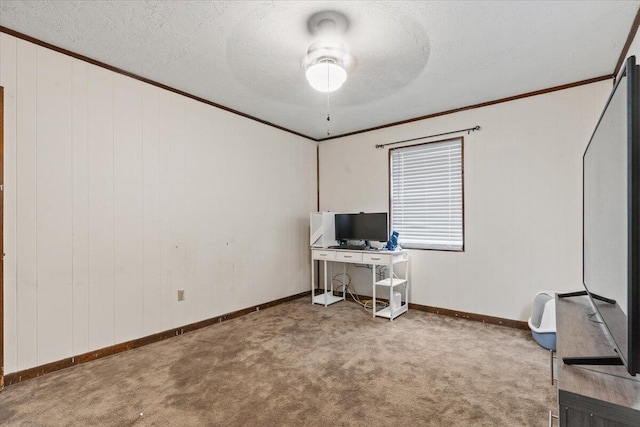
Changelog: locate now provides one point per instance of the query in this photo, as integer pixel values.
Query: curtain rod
(468, 130)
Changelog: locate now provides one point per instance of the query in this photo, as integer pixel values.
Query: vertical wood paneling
(26, 205)
(178, 144)
(80, 209)
(210, 244)
(222, 237)
(151, 209)
(128, 215)
(100, 187)
(126, 193)
(2, 346)
(192, 220)
(301, 180)
(1, 234)
(54, 206)
(277, 205)
(166, 111)
(8, 64)
(199, 215)
(242, 220)
(2, 322)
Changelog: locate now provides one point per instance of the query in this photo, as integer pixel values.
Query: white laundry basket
(543, 319)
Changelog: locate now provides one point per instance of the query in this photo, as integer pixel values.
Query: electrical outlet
(180, 294)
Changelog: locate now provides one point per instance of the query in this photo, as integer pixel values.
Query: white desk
(373, 258)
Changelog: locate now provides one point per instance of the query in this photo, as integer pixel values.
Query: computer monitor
(362, 226)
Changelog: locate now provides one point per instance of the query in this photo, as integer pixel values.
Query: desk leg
(373, 280)
(406, 288)
(391, 308)
(313, 280)
(325, 283)
(344, 281)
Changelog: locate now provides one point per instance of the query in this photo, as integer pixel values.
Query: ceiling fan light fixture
(326, 76)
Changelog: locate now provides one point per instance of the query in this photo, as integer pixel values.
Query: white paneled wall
(80, 215)
(53, 204)
(523, 199)
(119, 193)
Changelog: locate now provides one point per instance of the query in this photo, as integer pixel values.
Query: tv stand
(583, 293)
(593, 360)
(603, 395)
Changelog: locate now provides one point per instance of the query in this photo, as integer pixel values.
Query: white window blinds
(426, 195)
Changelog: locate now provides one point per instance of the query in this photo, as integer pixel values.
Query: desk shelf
(386, 312)
(391, 283)
(391, 312)
(327, 298)
(387, 282)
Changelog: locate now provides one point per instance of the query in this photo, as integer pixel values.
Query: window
(427, 195)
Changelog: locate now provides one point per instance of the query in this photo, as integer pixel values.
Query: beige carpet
(303, 365)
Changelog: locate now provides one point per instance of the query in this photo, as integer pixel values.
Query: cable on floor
(366, 304)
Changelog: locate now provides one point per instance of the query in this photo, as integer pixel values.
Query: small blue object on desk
(392, 243)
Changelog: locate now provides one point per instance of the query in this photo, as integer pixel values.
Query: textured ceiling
(411, 58)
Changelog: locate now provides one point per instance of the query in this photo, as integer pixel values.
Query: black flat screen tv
(611, 218)
(362, 226)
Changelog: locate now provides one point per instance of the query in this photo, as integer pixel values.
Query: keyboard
(349, 247)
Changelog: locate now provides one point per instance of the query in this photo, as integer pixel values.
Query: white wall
(117, 194)
(523, 199)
